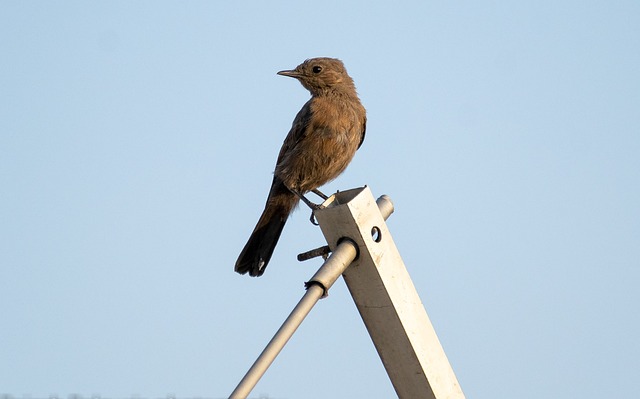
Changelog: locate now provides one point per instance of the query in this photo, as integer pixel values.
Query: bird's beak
(291, 74)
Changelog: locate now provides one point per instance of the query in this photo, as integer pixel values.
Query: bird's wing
(298, 131)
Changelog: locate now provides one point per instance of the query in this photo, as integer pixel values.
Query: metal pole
(339, 260)
(387, 300)
(317, 287)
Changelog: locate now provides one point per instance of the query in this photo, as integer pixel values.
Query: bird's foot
(313, 215)
(310, 204)
(304, 199)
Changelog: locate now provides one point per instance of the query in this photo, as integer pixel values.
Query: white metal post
(387, 299)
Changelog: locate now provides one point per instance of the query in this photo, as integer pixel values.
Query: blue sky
(137, 142)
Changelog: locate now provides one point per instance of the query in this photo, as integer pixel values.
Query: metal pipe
(385, 205)
(339, 260)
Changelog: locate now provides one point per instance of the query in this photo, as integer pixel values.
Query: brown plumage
(323, 139)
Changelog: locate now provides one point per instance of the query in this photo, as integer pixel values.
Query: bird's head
(322, 75)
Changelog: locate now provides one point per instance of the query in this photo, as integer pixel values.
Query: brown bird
(323, 139)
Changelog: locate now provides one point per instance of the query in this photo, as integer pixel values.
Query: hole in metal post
(376, 234)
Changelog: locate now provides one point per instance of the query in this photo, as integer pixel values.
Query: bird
(322, 141)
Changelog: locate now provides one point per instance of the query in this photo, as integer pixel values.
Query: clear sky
(137, 142)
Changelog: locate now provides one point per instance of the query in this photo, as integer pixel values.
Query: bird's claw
(314, 207)
(312, 219)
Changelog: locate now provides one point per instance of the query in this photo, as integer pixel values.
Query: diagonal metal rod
(341, 258)
(331, 269)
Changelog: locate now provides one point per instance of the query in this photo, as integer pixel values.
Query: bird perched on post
(323, 139)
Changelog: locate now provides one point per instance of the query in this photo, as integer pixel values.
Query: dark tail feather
(256, 254)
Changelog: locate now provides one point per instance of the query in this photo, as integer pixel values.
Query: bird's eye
(317, 69)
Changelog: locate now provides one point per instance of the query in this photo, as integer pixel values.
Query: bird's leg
(306, 201)
(309, 204)
(319, 193)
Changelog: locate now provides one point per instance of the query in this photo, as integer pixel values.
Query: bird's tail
(257, 252)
